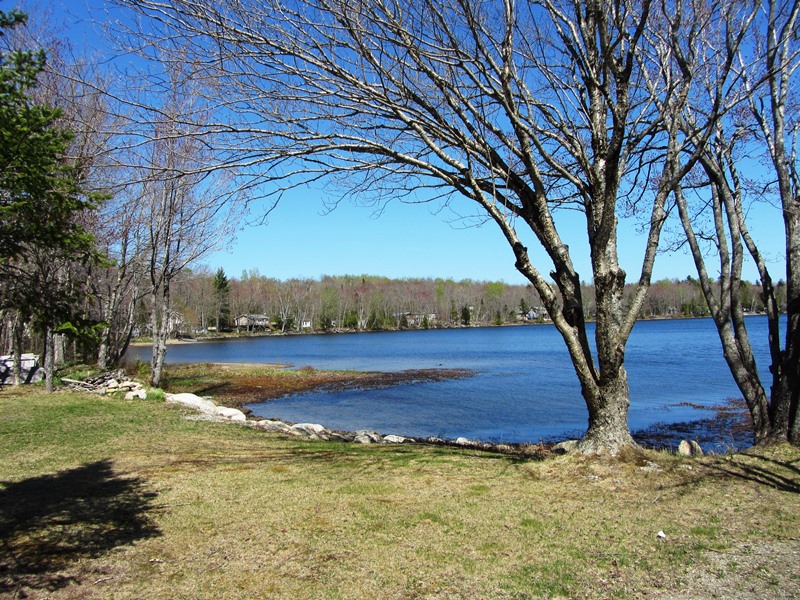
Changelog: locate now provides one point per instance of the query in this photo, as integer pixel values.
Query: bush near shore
(102, 497)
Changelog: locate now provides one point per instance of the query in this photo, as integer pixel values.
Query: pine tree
(40, 198)
(39, 192)
(222, 290)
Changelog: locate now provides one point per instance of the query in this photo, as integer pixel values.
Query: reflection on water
(525, 389)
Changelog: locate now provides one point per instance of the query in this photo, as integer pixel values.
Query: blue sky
(300, 240)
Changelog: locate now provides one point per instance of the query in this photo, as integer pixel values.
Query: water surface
(524, 390)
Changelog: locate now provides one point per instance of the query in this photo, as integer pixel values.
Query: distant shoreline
(244, 335)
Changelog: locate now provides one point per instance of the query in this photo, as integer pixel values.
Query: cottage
(252, 322)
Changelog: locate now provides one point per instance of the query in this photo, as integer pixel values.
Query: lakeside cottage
(253, 322)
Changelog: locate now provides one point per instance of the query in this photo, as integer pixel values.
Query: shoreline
(143, 342)
(239, 384)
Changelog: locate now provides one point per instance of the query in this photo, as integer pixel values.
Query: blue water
(524, 390)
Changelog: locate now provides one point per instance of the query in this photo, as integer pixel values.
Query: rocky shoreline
(117, 382)
(208, 410)
(729, 424)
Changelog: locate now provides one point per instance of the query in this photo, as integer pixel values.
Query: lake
(524, 390)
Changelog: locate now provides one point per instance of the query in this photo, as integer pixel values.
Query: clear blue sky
(406, 240)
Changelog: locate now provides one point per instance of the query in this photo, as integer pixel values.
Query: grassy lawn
(106, 498)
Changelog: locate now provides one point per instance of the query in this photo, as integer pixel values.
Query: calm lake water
(524, 390)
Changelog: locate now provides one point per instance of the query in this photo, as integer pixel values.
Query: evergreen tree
(41, 239)
(222, 290)
(39, 190)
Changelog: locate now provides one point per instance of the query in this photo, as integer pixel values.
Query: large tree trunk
(742, 365)
(113, 347)
(788, 410)
(607, 395)
(102, 349)
(784, 412)
(794, 420)
(781, 137)
(60, 349)
(127, 334)
(608, 417)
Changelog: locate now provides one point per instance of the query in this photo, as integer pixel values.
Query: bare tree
(118, 287)
(767, 125)
(185, 212)
(184, 223)
(505, 110)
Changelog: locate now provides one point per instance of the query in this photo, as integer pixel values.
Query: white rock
(462, 441)
(395, 439)
(311, 427)
(312, 431)
(133, 395)
(651, 467)
(364, 436)
(234, 414)
(689, 448)
(272, 425)
(661, 535)
(192, 401)
(112, 384)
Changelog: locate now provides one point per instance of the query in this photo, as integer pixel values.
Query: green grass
(102, 497)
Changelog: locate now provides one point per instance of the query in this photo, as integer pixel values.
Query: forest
(206, 302)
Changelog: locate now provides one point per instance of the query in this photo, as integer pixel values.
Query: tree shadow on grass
(762, 469)
(51, 521)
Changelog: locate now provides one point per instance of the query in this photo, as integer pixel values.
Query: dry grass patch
(229, 512)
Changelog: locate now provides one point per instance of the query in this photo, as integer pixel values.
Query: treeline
(206, 302)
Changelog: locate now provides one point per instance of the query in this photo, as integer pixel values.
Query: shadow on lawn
(48, 522)
(765, 470)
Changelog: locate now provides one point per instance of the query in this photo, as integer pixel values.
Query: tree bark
(608, 417)
(16, 340)
(49, 359)
(59, 349)
(160, 326)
